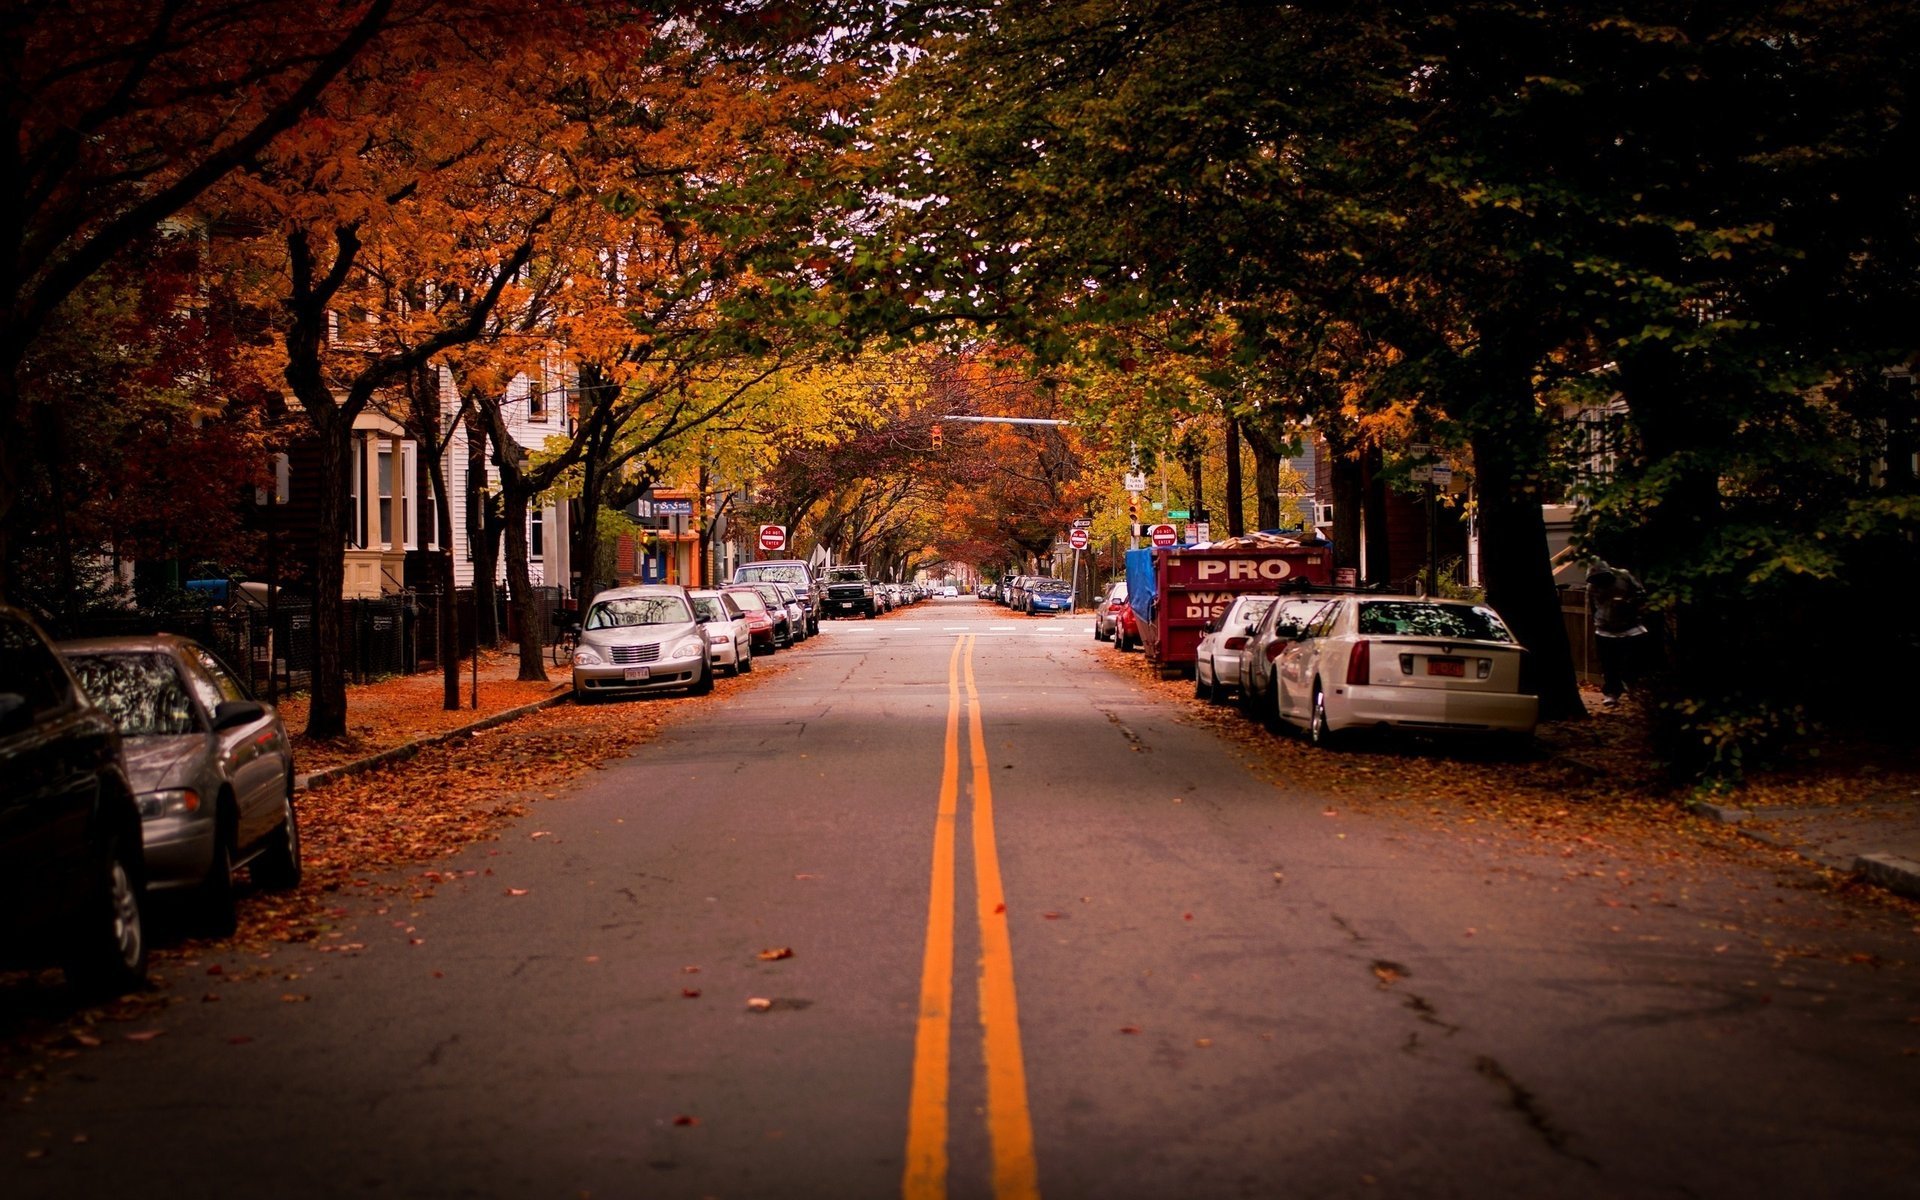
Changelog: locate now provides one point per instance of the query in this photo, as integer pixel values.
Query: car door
(1297, 666)
(253, 755)
(56, 748)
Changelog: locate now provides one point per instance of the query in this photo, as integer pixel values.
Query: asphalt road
(1084, 951)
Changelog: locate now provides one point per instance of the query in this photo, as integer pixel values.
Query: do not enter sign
(1163, 535)
(773, 537)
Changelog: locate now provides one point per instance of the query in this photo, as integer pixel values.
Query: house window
(386, 497)
(537, 534)
(356, 530)
(537, 399)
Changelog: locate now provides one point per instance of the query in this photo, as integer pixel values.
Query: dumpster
(1175, 591)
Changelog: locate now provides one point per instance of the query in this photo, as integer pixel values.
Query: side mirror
(234, 713)
(15, 713)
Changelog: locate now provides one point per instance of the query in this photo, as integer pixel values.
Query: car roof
(637, 590)
(139, 643)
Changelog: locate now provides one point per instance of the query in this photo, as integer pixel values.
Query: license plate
(1455, 668)
(635, 674)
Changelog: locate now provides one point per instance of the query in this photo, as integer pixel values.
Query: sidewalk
(392, 718)
(1877, 836)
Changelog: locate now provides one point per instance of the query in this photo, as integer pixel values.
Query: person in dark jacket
(1615, 600)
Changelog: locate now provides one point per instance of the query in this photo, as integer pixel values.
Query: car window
(229, 687)
(143, 693)
(1415, 618)
(749, 601)
(638, 610)
(1249, 608)
(1322, 624)
(29, 667)
(709, 608)
(763, 573)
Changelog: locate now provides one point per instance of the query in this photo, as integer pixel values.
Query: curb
(406, 750)
(1894, 872)
(1722, 813)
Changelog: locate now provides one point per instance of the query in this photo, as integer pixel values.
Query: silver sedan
(211, 767)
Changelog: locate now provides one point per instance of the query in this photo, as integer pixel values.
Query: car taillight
(1235, 643)
(1274, 649)
(1359, 662)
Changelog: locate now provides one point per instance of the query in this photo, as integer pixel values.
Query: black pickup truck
(849, 591)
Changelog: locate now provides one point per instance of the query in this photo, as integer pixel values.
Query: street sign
(1135, 483)
(1078, 538)
(1163, 535)
(1202, 531)
(1179, 514)
(1422, 473)
(773, 537)
(1083, 522)
(1442, 475)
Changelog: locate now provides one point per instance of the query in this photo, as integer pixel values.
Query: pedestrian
(1615, 600)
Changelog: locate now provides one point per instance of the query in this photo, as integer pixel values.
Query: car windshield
(1050, 586)
(638, 610)
(1414, 618)
(846, 575)
(709, 608)
(761, 573)
(749, 600)
(143, 693)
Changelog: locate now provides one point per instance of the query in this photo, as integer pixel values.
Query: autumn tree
(120, 117)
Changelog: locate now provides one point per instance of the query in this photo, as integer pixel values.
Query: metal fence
(395, 634)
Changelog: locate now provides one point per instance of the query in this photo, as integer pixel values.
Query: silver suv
(641, 639)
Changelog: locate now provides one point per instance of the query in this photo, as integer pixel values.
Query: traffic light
(936, 437)
(1133, 507)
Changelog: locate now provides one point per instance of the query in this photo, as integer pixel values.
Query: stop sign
(1164, 535)
(773, 537)
(1079, 539)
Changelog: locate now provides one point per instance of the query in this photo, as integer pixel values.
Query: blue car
(1049, 597)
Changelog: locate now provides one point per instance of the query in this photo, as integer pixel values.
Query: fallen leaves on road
(776, 953)
(759, 1003)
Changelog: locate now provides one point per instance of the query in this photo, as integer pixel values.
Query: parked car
(211, 768)
(797, 574)
(1278, 628)
(1404, 662)
(1049, 596)
(1106, 613)
(729, 633)
(1216, 661)
(640, 639)
(72, 875)
(760, 619)
(783, 620)
(849, 591)
(796, 612)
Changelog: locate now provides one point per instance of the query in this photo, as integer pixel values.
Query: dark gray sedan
(211, 767)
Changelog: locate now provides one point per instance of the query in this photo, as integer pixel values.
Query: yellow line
(926, 1171)
(1009, 1124)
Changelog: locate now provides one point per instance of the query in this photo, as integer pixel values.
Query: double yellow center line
(1009, 1125)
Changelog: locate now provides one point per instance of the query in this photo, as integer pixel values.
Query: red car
(760, 621)
(1114, 620)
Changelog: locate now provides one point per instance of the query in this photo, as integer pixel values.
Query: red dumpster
(1190, 587)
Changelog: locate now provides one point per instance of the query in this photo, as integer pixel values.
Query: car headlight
(169, 802)
(720, 639)
(693, 647)
(587, 656)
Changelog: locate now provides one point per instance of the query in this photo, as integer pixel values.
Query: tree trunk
(533, 665)
(1266, 477)
(327, 709)
(1345, 480)
(1379, 565)
(1513, 550)
(1236, 500)
(445, 615)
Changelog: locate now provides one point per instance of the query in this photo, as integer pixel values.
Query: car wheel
(110, 957)
(216, 906)
(1318, 734)
(704, 683)
(1202, 690)
(744, 664)
(278, 866)
(1270, 710)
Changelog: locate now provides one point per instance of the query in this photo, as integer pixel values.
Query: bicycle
(566, 639)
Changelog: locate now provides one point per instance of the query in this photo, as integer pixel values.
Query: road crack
(1133, 739)
(1531, 1110)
